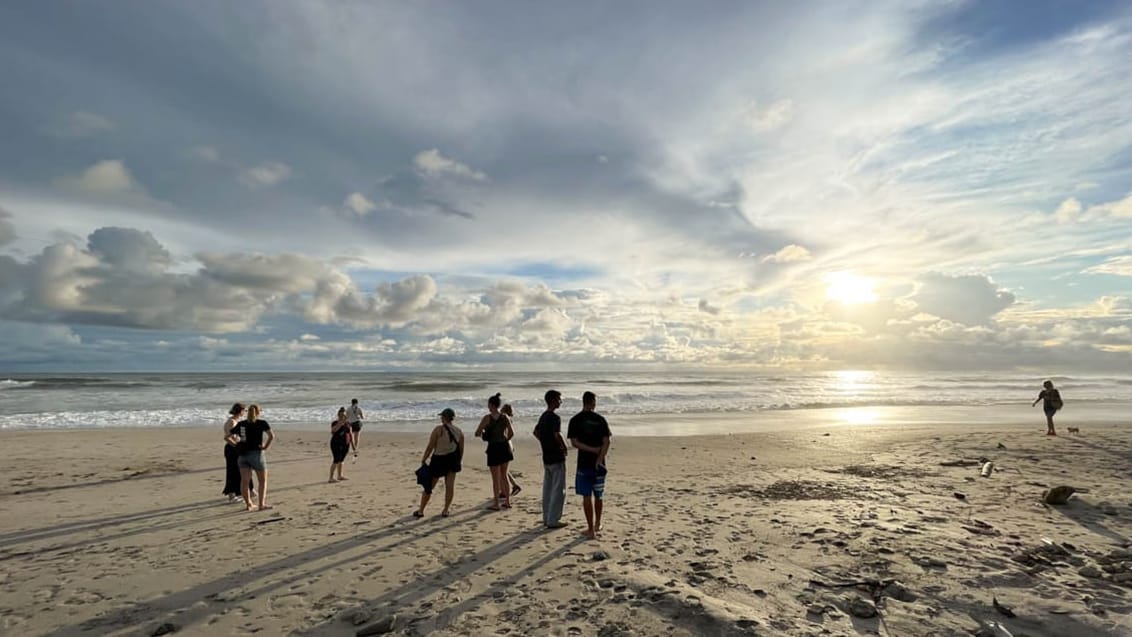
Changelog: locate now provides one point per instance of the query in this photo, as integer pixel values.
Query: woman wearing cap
(446, 448)
(495, 428)
(339, 444)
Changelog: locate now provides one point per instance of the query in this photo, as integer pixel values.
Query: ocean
(396, 401)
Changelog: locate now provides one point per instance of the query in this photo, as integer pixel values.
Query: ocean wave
(10, 383)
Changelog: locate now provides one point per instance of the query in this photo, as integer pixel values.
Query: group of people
(247, 436)
(588, 433)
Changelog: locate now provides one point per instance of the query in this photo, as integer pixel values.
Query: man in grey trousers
(549, 434)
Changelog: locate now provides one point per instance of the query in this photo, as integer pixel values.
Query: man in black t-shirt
(589, 433)
(549, 434)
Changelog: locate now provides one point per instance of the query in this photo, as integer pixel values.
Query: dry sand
(802, 533)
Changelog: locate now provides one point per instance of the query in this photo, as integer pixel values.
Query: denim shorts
(252, 460)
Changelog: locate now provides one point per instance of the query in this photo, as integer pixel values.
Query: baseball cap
(447, 412)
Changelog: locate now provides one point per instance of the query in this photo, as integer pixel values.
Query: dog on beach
(1074, 430)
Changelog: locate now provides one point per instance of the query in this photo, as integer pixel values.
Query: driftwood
(961, 463)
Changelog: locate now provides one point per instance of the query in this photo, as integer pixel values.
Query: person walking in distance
(354, 415)
(549, 434)
(1051, 403)
(589, 434)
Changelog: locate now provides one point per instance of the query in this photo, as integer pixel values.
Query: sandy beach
(838, 530)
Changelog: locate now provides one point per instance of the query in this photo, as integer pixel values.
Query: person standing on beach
(549, 434)
(589, 434)
(446, 448)
(495, 429)
(1051, 403)
(355, 416)
(339, 444)
(515, 488)
(248, 436)
(231, 468)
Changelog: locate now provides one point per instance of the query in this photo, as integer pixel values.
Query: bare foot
(331, 481)
(340, 478)
(264, 507)
(249, 507)
(589, 535)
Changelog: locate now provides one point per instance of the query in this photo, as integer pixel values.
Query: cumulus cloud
(82, 124)
(433, 164)
(708, 308)
(122, 277)
(789, 254)
(107, 178)
(358, 204)
(967, 299)
(265, 175)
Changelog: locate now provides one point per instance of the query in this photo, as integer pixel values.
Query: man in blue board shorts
(589, 434)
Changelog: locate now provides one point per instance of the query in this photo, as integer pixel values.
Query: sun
(849, 288)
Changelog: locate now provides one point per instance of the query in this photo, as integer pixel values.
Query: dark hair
(353, 401)
(341, 410)
(495, 400)
(589, 397)
(236, 409)
(552, 394)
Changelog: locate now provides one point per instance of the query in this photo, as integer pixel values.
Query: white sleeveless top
(444, 443)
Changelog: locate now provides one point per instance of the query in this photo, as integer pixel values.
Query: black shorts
(356, 426)
(498, 453)
(439, 466)
(339, 448)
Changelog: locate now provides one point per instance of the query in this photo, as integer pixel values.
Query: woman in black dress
(231, 469)
(495, 429)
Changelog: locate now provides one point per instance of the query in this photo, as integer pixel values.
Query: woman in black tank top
(495, 429)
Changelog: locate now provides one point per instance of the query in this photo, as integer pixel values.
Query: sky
(273, 184)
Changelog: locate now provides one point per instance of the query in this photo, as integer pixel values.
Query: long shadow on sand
(137, 478)
(184, 608)
(1123, 455)
(16, 538)
(399, 599)
(1090, 517)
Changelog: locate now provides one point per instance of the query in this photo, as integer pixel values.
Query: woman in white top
(446, 448)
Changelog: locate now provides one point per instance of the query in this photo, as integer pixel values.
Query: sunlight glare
(849, 288)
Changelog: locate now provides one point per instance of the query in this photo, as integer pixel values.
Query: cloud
(769, 118)
(82, 124)
(1068, 211)
(358, 204)
(1116, 266)
(433, 164)
(708, 308)
(789, 254)
(7, 230)
(265, 175)
(967, 299)
(108, 178)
